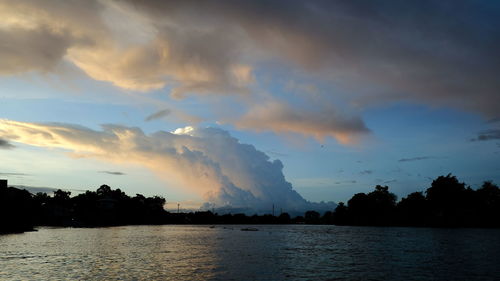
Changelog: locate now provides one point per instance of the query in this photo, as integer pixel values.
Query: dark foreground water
(292, 252)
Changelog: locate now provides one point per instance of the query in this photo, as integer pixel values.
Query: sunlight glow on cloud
(375, 53)
(318, 123)
(207, 162)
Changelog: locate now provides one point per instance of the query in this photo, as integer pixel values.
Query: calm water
(297, 252)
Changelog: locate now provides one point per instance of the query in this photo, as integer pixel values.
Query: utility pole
(178, 207)
(273, 210)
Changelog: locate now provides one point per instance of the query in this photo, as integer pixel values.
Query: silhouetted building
(3, 183)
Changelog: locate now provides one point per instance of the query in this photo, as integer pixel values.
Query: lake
(275, 252)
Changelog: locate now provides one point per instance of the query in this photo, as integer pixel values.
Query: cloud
(276, 153)
(207, 162)
(4, 144)
(346, 182)
(36, 189)
(493, 134)
(14, 174)
(141, 53)
(385, 181)
(112, 173)
(415, 159)
(159, 114)
(366, 172)
(320, 123)
(439, 53)
(18, 53)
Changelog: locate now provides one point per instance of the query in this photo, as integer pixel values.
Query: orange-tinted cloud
(438, 53)
(207, 162)
(320, 123)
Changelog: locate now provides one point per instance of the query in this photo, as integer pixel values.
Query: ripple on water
(296, 252)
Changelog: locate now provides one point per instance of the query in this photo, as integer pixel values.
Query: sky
(246, 104)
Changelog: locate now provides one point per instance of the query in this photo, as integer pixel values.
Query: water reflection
(296, 252)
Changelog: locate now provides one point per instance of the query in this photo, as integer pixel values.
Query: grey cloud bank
(439, 53)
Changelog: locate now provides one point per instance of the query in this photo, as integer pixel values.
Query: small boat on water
(249, 229)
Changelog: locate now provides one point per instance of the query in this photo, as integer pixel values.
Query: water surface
(292, 252)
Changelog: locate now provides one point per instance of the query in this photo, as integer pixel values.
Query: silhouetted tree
(413, 210)
(104, 190)
(447, 200)
(488, 205)
(284, 218)
(374, 208)
(312, 217)
(341, 215)
(327, 218)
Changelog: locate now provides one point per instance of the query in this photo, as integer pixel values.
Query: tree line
(21, 211)
(446, 203)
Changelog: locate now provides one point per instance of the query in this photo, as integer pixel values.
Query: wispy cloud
(345, 182)
(419, 158)
(366, 172)
(158, 114)
(276, 153)
(385, 181)
(4, 144)
(14, 174)
(493, 134)
(48, 190)
(112, 173)
(36, 189)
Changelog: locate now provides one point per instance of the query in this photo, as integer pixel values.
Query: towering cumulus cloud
(206, 161)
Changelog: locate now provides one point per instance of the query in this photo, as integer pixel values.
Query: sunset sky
(242, 103)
